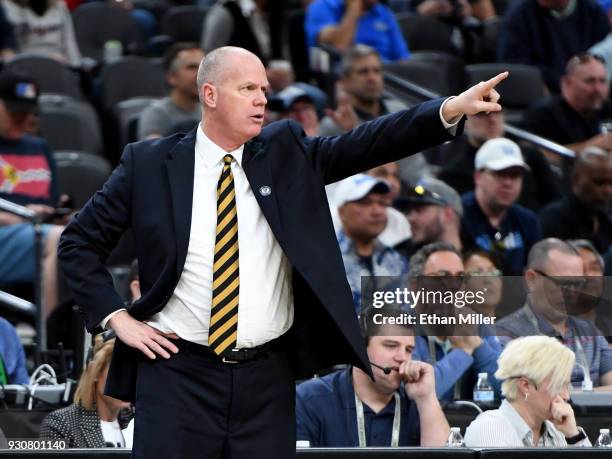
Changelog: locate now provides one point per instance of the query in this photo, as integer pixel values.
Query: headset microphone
(385, 370)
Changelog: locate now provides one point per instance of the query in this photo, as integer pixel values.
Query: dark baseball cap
(284, 100)
(18, 92)
(429, 190)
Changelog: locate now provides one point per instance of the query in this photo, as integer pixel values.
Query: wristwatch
(576, 438)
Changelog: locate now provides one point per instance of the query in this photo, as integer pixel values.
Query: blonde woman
(92, 421)
(535, 371)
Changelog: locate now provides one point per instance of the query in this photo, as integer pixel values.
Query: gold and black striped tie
(223, 329)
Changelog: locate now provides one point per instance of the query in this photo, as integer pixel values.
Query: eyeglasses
(564, 282)
(444, 279)
(492, 273)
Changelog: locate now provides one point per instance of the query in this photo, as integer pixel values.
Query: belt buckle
(224, 359)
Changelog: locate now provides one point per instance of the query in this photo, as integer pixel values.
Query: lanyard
(581, 357)
(361, 422)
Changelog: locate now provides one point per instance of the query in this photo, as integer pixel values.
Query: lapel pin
(265, 190)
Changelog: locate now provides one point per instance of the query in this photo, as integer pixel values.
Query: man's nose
(261, 99)
(402, 356)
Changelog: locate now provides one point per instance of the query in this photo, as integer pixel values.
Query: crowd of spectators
(478, 208)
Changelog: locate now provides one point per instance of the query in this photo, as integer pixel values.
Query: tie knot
(227, 160)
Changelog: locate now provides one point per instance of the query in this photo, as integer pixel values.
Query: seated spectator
(280, 75)
(585, 213)
(93, 420)
(604, 47)
(295, 103)
(535, 371)
(44, 27)
(554, 278)
(573, 118)
(592, 304)
(484, 275)
(492, 220)
(344, 23)
(12, 356)
(27, 178)
(481, 9)
(181, 64)
(362, 92)
(362, 206)
(540, 184)
(546, 33)
(7, 37)
(453, 357)
(399, 408)
(242, 23)
(397, 230)
(434, 212)
(470, 22)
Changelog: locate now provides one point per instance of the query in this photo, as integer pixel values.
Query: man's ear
(530, 279)
(209, 95)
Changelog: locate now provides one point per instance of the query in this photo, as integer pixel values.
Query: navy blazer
(151, 192)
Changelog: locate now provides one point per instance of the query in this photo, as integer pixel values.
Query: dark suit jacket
(151, 193)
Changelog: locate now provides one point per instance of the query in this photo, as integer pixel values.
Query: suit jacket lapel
(180, 167)
(257, 170)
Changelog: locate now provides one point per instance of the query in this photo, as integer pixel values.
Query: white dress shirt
(265, 307)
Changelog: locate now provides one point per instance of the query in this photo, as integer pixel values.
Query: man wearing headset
(399, 408)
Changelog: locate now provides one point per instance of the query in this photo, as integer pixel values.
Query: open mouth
(258, 117)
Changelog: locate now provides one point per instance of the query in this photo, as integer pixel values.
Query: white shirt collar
(520, 426)
(212, 154)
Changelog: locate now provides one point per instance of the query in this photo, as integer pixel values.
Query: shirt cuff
(450, 127)
(108, 317)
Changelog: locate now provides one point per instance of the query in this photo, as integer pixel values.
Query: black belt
(246, 354)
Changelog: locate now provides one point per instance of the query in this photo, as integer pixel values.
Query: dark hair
(172, 53)
(493, 257)
(369, 328)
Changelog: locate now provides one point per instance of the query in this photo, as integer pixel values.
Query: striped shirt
(582, 337)
(505, 427)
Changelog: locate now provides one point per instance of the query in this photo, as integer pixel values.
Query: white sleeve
(450, 127)
(108, 317)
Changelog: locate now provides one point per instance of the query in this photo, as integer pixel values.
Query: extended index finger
(496, 79)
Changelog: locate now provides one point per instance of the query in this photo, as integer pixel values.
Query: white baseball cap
(498, 154)
(358, 187)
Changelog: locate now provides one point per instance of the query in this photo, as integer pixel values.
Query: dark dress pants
(195, 406)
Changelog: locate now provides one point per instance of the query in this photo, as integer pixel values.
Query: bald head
(220, 63)
(232, 84)
(592, 178)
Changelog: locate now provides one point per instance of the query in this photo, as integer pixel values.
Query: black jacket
(151, 192)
